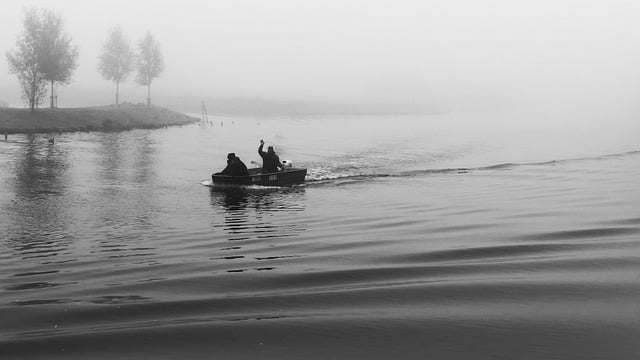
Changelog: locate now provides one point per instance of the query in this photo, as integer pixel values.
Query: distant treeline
(45, 56)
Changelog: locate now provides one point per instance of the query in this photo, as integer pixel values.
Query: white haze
(557, 55)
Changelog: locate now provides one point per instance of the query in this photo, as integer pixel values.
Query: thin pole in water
(205, 116)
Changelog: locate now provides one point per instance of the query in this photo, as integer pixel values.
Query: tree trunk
(149, 95)
(32, 96)
(52, 105)
(117, 90)
(32, 102)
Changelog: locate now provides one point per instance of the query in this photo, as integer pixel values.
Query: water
(414, 237)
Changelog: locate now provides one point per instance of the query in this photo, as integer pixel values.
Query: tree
(25, 60)
(116, 60)
(58, 57)
(44, 55)
(150, 63)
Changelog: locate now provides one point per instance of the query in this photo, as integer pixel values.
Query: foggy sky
(462, 53)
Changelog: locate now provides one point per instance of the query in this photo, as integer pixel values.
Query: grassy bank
(104, 118)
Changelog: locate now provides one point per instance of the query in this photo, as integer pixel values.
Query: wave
(342, 175)
(582, 234)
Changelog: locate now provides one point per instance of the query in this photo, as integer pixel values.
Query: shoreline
(109, 118)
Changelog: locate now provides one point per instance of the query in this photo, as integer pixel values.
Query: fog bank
(457, 55)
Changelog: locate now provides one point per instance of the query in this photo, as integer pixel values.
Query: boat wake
(341, 173)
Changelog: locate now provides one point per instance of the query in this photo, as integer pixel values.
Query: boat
(286, 177)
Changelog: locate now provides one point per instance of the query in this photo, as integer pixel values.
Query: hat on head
(231, 155)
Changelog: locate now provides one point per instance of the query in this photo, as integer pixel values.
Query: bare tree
(116, 60)
(25, 61)
(150, 63)
(58, 57)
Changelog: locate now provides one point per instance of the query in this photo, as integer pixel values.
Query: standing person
(270, 160)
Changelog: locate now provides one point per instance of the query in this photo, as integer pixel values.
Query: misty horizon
(452, 55)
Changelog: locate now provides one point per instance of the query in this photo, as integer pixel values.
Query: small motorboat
(288, 176)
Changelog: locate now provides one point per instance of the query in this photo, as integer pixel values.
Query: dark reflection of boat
(234, 199)
(250, 212)
(289, 176)
(258, 222)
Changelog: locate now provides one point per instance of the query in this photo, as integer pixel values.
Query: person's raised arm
(260, 147)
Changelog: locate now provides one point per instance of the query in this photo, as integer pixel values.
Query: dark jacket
(235, 167)
(270, 161)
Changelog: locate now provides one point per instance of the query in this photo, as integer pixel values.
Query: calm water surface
(414, 237)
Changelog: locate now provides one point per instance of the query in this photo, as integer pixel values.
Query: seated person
(270, 161)
(235, 167)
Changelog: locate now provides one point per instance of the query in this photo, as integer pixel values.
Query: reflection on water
(128, 159)
(258, 221)
(69, 201)
(37, 226)
(125, 201)
(232, 199)
(260, 198)
(253, 212)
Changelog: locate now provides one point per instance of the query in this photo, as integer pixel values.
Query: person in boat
(235, 166)
(270, 160)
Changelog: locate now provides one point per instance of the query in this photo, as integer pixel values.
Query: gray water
(414, 237)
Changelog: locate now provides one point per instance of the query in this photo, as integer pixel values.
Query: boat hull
(291, 176)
